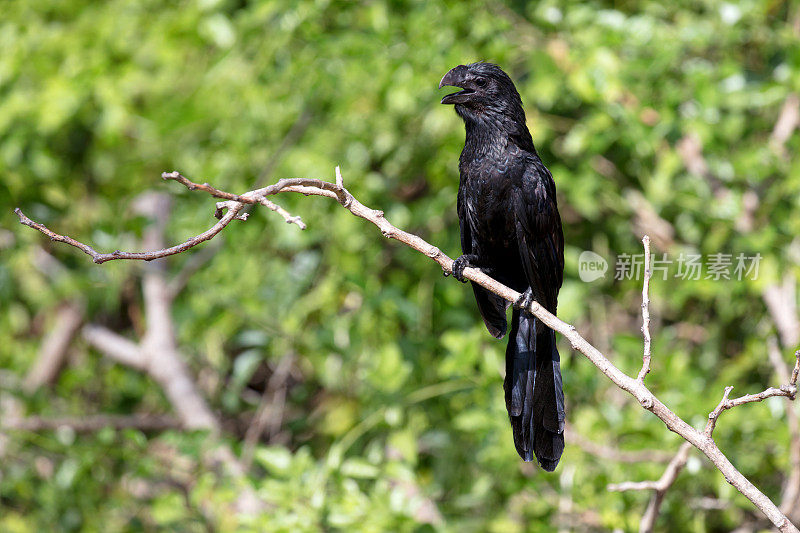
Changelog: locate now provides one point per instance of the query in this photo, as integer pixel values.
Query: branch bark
(234, 203)
(53, 351)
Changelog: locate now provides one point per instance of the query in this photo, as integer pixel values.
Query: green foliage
(399, 394)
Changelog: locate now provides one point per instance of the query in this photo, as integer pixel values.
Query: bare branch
(288, 217)
(164, 361)
(646, 310)
(194, 263)
(790, 499)
(613, 453)
(85, 424)
(788, 120)
(627, 383)
(53, 351)
(660, 487)
(100, 258)
(664, 482)
(714, 415)
(789, 391)
(114, 346)
(270, 409)
(781, 303)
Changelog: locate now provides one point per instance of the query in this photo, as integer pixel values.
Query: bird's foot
(525, 299)
(466, 260)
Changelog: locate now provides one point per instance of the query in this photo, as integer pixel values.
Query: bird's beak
(455, 78)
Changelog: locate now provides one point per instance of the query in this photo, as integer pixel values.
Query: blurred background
(338, 380)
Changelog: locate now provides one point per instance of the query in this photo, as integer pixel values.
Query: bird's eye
(480, 82)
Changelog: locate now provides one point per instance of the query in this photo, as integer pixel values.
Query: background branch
(53, 351)
(659, 487)
(89, 423)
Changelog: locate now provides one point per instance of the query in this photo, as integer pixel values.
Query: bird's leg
(525, 299)
(466, 260)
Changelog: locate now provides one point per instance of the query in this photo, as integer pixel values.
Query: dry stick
(789, 390)
(637, 389)
(660, 487)
(646, 311)
(117, 254)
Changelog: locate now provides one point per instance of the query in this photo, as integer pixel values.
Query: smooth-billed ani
(511, 229)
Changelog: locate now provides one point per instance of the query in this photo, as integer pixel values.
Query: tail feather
(534, 396)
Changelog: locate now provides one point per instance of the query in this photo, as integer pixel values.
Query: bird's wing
(539, 234)
(491, 306)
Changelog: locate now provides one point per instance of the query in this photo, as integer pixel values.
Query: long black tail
(534, 398)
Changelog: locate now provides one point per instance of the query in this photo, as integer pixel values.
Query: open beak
(455, 78)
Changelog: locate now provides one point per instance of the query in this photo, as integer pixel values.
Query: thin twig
(789, 391)
(100, 258)
(646, 310)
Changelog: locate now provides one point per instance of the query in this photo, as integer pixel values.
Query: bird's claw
(458, 268)
(525, 299)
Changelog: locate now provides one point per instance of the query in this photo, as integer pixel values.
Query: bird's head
(487, 90)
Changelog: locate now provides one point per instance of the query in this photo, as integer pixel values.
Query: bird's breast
(488, 209)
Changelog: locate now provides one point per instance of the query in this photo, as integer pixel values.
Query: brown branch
(164, 361)
(788, 121)
(85, 424)
(790, 499)
(270, 410)
(100, 258)
(781, 301)
(613, 453)
(646, 310)
(189, 268)
(114, 346)
(660, 487)
(789, 391)
(637, 389)
(53, 351)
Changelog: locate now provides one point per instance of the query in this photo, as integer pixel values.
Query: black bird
(511, 229)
